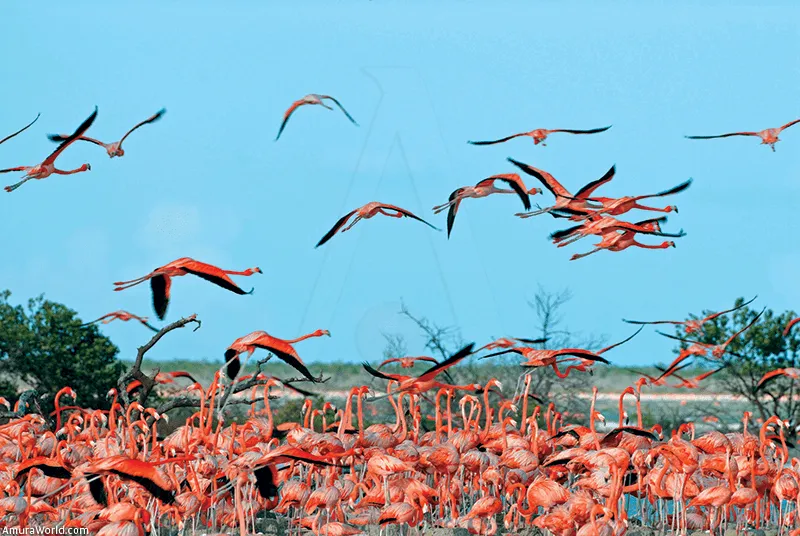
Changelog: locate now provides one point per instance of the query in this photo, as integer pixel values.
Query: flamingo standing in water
(20, 131)
(48, 167)
(368, 211)
(121, 315)
(565, 201)
(693, 326)
(312, 98)
(540, 134)
(282, 349)
(161, 280)
(482, 189)
(768, 136)
(113, 149)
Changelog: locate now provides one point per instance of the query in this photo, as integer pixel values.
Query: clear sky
(421, 78)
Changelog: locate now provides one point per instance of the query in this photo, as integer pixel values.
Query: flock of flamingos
(474, 458)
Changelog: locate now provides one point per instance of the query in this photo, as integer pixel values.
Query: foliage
(758, 350)
(42, 346)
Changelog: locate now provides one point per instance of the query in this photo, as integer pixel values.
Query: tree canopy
(44, 347)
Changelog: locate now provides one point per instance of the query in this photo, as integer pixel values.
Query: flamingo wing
(389, 362)
(293, 361)
(18, 168)
(160, 286)
(557, 236)
(337, 103)
(681, 339)
(214, 275)
(381, 375)
(545, 178)
(607, 348)
(152, 119)
(771, 375)
(501, 140)
(60, 138)
(531, 341)
(588, 190)
(266, 479)
(784, 127)
(75, 135)
(672, 191)
(146, 324)
(722, 135)
(232, 364)
(516, 184)
(726, 311)
(641, 322)
(338, 225)
(583, 354)
(591, 131)
(447, 363)
(790, 325)
(451, 212)
(23, 129)
(97, 489)
(154, 489)
(295, 105)
(408, 214)
(297, 390)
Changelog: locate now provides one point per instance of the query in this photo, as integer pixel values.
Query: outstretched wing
(408, 214)
(787, 125)
(447, 363)
(340, 107)
(726, 311)
(592, 131)
(515, 182)
(75, 135)
(295, 105)
(451, 212)
(289, 359)
(339, 224)
(589, 189)
(20, 131)
(501, 140)
(545, 178)
(152, 119)
(723, 135)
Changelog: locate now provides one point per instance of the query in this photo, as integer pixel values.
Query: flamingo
(768, 136)
(161, 280)
(717, 351)
(312, 98)
(368, 211)
(20, 131)
(693, 326)
(123, 316)
(485, 188)
(626, 239)
(407, 362)
(793, 373)
(540, 134)
(282, 349)
(621, 205)
(565, 202)
(48, 167)
(115, 148)
(603, 225)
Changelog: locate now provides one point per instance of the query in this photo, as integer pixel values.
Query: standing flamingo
(312, 98)
(540, 134)
(48, 167)
(768, 136)
(368, 211)
(115, 148)
(161, 280)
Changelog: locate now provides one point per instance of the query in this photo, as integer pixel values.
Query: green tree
(758, 350)
(43, 347)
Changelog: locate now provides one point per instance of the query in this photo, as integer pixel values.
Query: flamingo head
(668, 244)
(86, 167)
(321, 332)
(534, 191)
(116, 151)
(255, 270)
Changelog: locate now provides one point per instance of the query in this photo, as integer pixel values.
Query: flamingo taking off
(20, 131)
(312, 98)
(540, 134)
(48, 167)
(161, 280)
(113, 149)
(692, 326)
(368, 211)
(121, 315)
(482, 189)
(768, 136)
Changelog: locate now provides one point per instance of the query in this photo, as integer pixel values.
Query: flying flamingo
(540, 134)
(48, 167)
(113, 149)
(482, 189)
(121, 315)
(161, 280)
(621, 205)
(368, 211)
(717, 351)
(281, 348)
(768, 136)
(692, 383)
(601, 226)
(793, 373)
(312, 99)
(565, 201)
(20, 131)
(693, 326)
(407, 362)
(619, 242)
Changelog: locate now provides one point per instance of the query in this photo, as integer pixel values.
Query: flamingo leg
(355, 221)
(581, 255)
(17, 185)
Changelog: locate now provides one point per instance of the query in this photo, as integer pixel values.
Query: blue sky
(421, 78)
